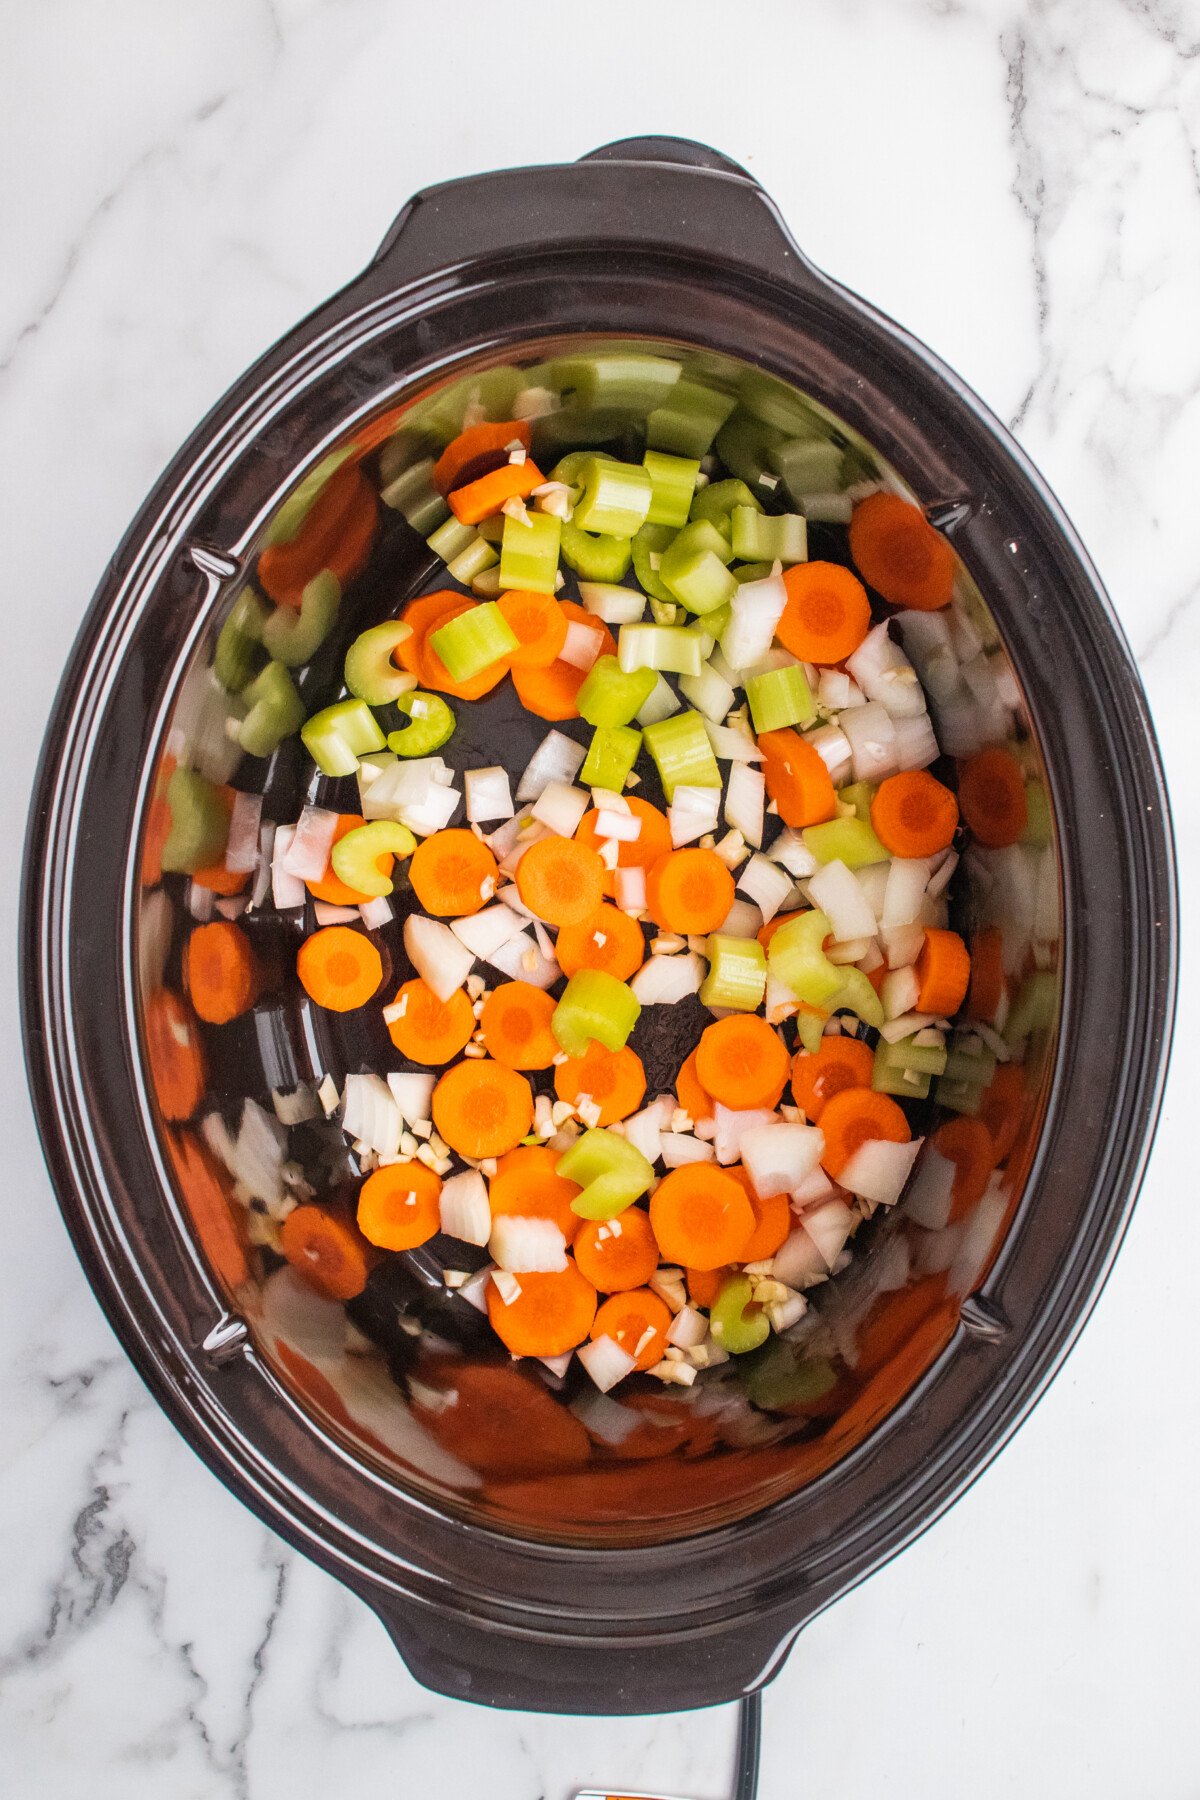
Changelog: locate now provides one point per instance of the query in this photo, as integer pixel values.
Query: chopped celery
(769, 537)
(293, 637)
(612, 696)
(708, 692)
(491, 529)
(478, 556)
(199, 823)
(474, 640)
(432, 724)
(615, 498)
(291, 515)
(689, 418)
(662, 703)
(529, 553)
(737, 973)
(238, 641)
(797, 957)
(905, 1068)
(810, 1029)
(611, 756)
(738, 1326)
(859, 795)
(336, 737)
(609, 1169)
(570, 469)
(450, 539)
(717, 501)
(808, 465)
(682, 753)
(371, 672)
(856, 995)
(667, 612)
(595, 558)
(356, 856)
(700, 629)
(634, 383)
(276, 711)
(744, 444)
(1038, 831)
(594, 1006)
(673, 482)
(1035, 1007)
(413, 495)
(850, 841)
(670, 647)
(694, 568)
(779, 698)
(648, 547)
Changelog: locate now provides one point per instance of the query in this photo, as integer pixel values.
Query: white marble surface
(1019, 184)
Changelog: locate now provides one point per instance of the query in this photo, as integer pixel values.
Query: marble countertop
(1020, 185)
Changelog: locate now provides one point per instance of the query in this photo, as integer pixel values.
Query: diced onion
(766, 884)
(745, 802)
(778, 1157)
(241, 848)
(833, 747)
(262, 876)
(582, 645)
(662, 980)
(520, 958)
(679, 1147)
(370, 1114)
(905, 891)
(929, 1200)
(434, 813)
(731, 745)
(916, 745)
(688, 1328)
(484, 932)
(836, 892)
(286, 890)
(899, 992)
(794, 854)
(201, 902)
(878, 1170)
(644, 1130)
(606, 1362)
(488, 794)
(557, 758)
(630, 889)
(755, 611)
(440, 958)
(743, 920)
(625, 827)
(375, 914)
(693, 812)
(813, 1190)
(731, 1127)
(307, 855)
(560, 807)
(465, 1213)
(527, 1245)
(872, 741)
(884, 674)
(413, 1094)
(828, 1226)
(902, 944)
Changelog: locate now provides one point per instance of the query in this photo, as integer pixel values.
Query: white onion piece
(156, 927)
(779, 1001)
(905, 892)
(326, 912)
(501, 841)
(710, 694)
(688, 1328)
(943, 869)
(557, 1365)
(307, 856)
(779, 1156)
(376, 913)
(484, 932)
(731, 1127)
(755, 611)
(630, 889)
(693, 812)
(625, 827)
(833, 747)
(488, 794)
(241, 848)
(201, 902)
(474, 1292)
(401, 781)
(899, 992)
(836, 892)
(413, 1094)
(814, 1190)
(533, 832)
(255, 1157)
(743, 920)
(878, 1170)
(835, 690)
(527, 1245)
(884, 673)
(231, 906)
(731, 745)
(902, 945)
(930, 1198)
(557, 758)
(916, 745)
(660, 703)
(766, 884)
(615, 605)
(606, 1362)
(370, 1114)
(678, 1148)
(828, 1226)
(871, 959)
(286, 890)
(849, 950)
(465, 1213)
(872, 741)
(745, 802)
(441, 960)
(662, 980)
(520, 958)
(262, 875)
(794, 854)
(560, 807)
(434, 812)
(582, 645)
(644, 1130)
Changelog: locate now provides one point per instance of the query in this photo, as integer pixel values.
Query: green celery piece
(356, 857)
(779, 698)
(695, 569)
(851, 841)
(807, 465)
(810, 1029)
(744, 445)
(571, 468)
(663, 647)
(717, 501)
(371, 671)
(594, 558)
(431, 724)
(610, 696)
(611, 756)
(902, 1084)
(770, 537)
(413, 495)
(1039, 829)
(856, 995)
(605, 1198)
(199, 824)
(474, 641)
(529, 553)
(292, 637)
(689, 418)
(451, 538)
(238, 641)
(615, 498)
(666, 612)
(859, 795)
(904, 1068)
(797, 957)
(291, 515)
(1035, 1007)
(337, 736)
(594, 1007)
(735, 1327)
(682, 753)
(491, 529)
(611, 1172)
(635, 383)
(478, 556)
(708, 692)
(673, 482)
(782, 1377)
(652, 540)
(737, 973)
(276, 711)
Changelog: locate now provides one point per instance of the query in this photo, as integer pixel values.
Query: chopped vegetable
(617, 1255)
(515, 1023)
(452, 873)
(609, 940)
(595, 1007)
(548, 1315)
(689, 892)
(427, 1029)
(221, 972)
(991, 792)
(637, 1322)
(613, 1081)
(561, 880)
(399, 1207)
(913, 814)
(371, 673)
(827, 615)
(853, 1117)
(327, 1251)
(339, 969)
(742, 1063)
(701, 1217)
(481, 1108)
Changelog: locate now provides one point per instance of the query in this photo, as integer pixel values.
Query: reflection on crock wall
(280, 1091)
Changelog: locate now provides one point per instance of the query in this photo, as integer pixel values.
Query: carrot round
(422, 616)
(967, 1143)
(552, 692)
(528, 1185)
(943, 971)
(987, 974)
(515, 1022)
(433, 672)
(430, 1030)
(690, 1093)
(741, 1062)
(991, 792)
(827, 615)
(477, 442)
(551, 1315)
(175, 1054)
(855, 1117)
(817, 1075)
(221, 972)
(618, 1254)
(609, 940)
(561, 880)
(914, 814)
(339, 968)
(398, 1206)
(452, 873)
(639, 1322)
(652, 843)
(1003, 1107)
(772, 1221)
(701, 1216)
(538, 623)
(482, 498)
(797, 779)
(328, 1252)
(331, 887)
(481, 1108)
(614, 1079)
(703, 1285)
(689, 892)
(898, 553)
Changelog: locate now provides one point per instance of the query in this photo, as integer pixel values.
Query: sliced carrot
(690, 892)
(991, 792)
(331, 887)
(652, 843)
(561, 880)
(481, 498)
(474, 444)
(639, 1322)
(703, 1285)
(967, 1143)
(618, 1254)
(817, 1075)
(551, 692)
(701, 1216)
(527, 1184)
(772, 1221)
(897, 551)
(327, 1251)
(741, 1062)
(538, 623)
(943, 971)
(609, 940)
(914, 814)
(690, 1092)
(516, 1026)
(766, 932)
(855, 1117)
(422, 616)
(452, 873)
(827, 615)
(221, 972)
(499, 1420)
(336, 535)
(1003, 1107)
(482, 1109)
(429, 1030)
(175, 1055)
(339, 968)
(614, 1079)
(987, 974)
(551, 1314)
(217, 1220)
(398, 1206)
(797, 779)
(434, 673)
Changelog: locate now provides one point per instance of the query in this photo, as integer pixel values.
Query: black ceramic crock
(658, 241)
